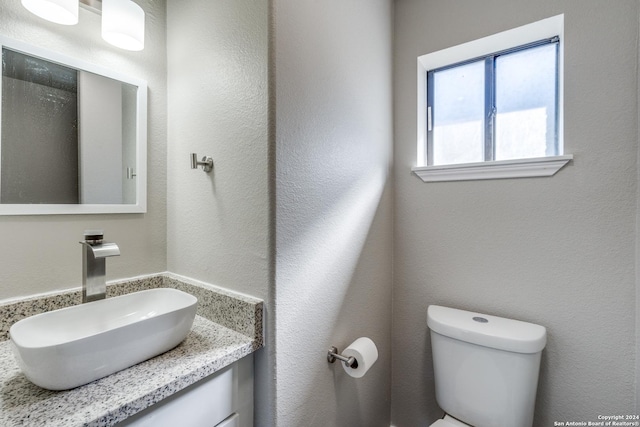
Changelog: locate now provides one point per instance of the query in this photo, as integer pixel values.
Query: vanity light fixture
(123, 24)
(122, 20)
(63, 12)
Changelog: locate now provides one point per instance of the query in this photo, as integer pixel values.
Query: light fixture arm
(94, 6)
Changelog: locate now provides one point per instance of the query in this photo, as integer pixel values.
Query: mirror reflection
(68, 136)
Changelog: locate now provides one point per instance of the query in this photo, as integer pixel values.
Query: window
(499, 107)
(492, 108)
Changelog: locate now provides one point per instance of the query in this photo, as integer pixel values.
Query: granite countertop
(208, 348)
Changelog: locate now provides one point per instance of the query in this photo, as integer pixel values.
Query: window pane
(526, 104)
(458, 105)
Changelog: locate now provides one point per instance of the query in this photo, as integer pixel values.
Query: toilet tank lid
(489, 331)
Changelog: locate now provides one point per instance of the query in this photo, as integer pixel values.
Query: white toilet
(486, 368)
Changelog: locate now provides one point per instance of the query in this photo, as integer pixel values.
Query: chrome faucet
(94, 252)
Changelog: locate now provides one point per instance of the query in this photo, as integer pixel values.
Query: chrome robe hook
(206, 163)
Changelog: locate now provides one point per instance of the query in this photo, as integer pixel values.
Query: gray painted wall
(556, 251)
(333, 129)
(41, 253)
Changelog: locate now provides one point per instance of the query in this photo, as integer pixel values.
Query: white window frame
(518, 168)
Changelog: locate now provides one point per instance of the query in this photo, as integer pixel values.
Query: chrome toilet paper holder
(334, 355)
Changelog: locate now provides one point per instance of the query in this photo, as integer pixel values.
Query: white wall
(218, 223)
(332, 64)
(217, 71)
(41, 253)
(556, 251)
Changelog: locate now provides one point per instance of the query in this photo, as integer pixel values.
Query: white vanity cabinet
(223, 399)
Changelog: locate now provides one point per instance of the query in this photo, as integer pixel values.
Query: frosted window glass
(526, 104)
(458, 123)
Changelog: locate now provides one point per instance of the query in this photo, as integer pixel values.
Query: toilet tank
(486, 367)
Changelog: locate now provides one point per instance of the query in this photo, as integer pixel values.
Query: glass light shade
(63, 12)
(123, 24)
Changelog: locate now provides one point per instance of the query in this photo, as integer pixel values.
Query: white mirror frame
(141, 138)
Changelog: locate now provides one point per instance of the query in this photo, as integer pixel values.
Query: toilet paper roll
(365, 352)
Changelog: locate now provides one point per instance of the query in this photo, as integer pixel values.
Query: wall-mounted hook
(206, 163)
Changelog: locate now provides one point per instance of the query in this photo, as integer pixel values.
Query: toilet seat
(448, 421)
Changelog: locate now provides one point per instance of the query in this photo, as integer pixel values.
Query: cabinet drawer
(204, 404)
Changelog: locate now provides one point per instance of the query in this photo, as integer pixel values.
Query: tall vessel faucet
(94, 254)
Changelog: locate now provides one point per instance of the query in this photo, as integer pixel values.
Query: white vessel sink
(67, 348)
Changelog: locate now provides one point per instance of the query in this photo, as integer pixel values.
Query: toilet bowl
(485, 368)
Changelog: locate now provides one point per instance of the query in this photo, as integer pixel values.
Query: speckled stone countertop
(228, 327)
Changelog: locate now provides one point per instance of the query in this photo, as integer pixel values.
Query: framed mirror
(73, 135)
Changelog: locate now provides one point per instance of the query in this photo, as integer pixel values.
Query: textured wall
(41, 253)
(554, 251)
(217, 72)
(218, 223)
(333, 207)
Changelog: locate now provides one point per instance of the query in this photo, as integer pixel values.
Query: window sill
(501, 169)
